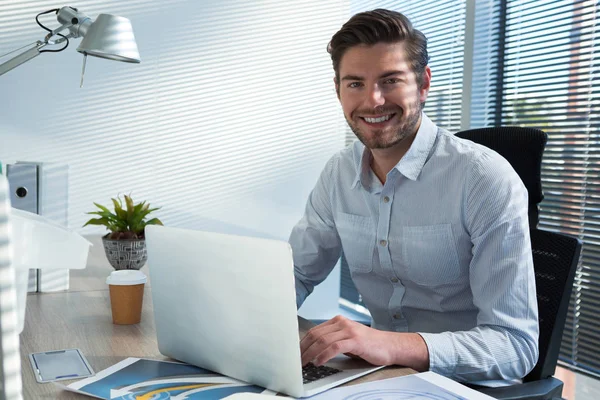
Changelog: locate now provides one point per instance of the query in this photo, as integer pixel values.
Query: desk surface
(81, 318)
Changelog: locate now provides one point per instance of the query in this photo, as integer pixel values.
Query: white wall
(225, 124)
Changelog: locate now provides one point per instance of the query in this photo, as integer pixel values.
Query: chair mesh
(555, 259)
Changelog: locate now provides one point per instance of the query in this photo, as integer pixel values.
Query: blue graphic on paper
(156, 380)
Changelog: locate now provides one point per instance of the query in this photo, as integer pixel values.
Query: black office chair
(555, 259)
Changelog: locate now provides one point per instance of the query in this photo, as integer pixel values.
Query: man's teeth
(377, 120)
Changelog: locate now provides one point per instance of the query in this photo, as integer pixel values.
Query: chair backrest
(523, 148)
(555, 260)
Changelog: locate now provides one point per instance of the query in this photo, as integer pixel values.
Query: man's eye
(354, 85)
(391, 81)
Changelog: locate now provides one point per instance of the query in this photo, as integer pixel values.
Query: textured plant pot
(125, 253)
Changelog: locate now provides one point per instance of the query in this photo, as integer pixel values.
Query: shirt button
(397, 316)
(395, 280)
(386, 199)
(383, 242)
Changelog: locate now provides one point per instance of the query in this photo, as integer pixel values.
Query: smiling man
(434, 228)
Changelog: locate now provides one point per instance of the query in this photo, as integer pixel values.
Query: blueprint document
(424, 386)
(138, 378)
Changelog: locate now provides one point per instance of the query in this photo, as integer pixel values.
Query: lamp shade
(110, 37)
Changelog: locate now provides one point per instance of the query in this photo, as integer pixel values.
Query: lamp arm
(61, 39)
(57, 30)
(21, 58)
(67, 16)
(35, 51)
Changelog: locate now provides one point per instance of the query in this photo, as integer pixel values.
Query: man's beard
(391, 136)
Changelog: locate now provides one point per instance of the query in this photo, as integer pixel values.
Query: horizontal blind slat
(551, 82)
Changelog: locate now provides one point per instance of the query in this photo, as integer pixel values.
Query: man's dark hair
(372, 27)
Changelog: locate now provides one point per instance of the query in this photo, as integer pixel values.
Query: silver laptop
(227, 303)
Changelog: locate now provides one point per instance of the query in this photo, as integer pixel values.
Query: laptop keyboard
(311, 372)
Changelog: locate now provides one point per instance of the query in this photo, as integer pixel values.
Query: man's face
(379, 94)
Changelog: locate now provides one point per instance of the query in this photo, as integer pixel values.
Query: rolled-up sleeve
(315, 243)
(504, 344)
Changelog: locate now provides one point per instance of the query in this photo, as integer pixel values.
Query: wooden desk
(81, 318)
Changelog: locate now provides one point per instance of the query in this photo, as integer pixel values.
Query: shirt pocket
(430, 254)
(357, 234)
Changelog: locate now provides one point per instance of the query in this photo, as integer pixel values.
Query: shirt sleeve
(316, 246)
(504, 344)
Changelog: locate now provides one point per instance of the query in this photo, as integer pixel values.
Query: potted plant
(125, 244)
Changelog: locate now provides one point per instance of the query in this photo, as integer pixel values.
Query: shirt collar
(362, 160)
(410, 165)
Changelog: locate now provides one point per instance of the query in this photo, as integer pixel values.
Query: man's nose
(375, 97)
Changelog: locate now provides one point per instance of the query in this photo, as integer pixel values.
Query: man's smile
(378, 121)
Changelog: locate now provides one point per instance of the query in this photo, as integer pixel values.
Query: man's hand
(341, 335)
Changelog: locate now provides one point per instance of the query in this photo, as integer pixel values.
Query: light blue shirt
(442, 249)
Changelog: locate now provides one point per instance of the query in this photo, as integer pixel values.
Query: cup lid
(126, 277)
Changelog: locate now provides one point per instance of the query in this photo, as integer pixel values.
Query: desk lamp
(108, 37)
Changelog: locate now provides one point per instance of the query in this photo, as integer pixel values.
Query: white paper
(249, 396)
(426, 386)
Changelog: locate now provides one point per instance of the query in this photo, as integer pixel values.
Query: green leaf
(154, 221)
(116, 204)
(138, 221)
(129, 204)
(101, 207)
(136, 218)
(106, 214)
(148, 211)
(98, 221)
(138, 207)
(121, 214)
(122, 226)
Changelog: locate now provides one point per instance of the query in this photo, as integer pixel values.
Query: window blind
(488, 57)
(551, 73)
(225, 124)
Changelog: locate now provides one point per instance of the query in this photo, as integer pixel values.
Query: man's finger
(339, 347)
(315, 333)
(320, 344)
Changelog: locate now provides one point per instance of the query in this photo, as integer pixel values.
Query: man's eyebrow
(384, 75)
(390, 73)
(353, 78)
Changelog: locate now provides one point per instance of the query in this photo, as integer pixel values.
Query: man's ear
(337, 87)
(426, 84)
